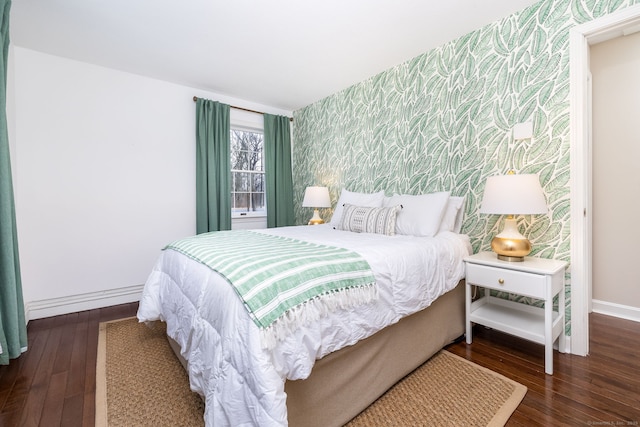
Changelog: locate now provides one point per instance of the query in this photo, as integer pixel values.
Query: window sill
(248, 222)
(248, 216)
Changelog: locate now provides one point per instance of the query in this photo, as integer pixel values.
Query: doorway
(608, 27)
(615, 70)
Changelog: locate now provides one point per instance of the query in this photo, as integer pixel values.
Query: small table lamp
(316, 197)
(512, 195)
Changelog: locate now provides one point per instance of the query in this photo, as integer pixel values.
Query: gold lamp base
(511, 249)
(510, 245)
(315, 219)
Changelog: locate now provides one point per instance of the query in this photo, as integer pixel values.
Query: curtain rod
(195, 98)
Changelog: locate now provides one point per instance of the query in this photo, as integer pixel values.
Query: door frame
(620, 23)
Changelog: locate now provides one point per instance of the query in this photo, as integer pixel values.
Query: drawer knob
(501, 281)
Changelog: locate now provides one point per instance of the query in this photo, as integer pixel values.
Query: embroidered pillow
(361, 219)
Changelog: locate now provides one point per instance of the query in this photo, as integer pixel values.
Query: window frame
(254, 128)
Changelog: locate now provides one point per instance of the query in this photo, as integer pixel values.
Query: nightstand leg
(548, 336)
(561, 311)
(467, 306)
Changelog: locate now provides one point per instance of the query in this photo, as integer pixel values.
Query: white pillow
(372, 200)
(453, 213)
(420, 215)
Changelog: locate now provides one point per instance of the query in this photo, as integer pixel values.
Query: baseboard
(616, 310)
(89, 301)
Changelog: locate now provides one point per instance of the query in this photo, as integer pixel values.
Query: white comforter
(242, 383)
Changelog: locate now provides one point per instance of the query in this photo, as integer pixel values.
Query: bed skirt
(342, 384)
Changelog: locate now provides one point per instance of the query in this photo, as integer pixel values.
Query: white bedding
(243, 384)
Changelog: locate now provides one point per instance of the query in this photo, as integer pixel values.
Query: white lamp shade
(316, 197)
(513, 195)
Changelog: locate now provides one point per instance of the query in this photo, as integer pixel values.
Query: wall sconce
(512, 195)
(316, 197)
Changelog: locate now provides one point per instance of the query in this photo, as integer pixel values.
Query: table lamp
(512, 195)
(316, 197)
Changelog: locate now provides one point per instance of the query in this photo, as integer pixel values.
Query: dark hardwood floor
(53, 383)
(602, 389)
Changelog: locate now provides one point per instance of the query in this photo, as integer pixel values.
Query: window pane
(258, 182)
(234, 158)
(258, 201)
(259, 166)
(235, 140)
(241, 181)
(240, 160)
(240, 202)
(255, 160)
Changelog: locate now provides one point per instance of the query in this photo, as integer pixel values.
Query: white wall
(615, 67)
(104, 164)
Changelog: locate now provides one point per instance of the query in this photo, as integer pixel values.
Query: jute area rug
(140, 382)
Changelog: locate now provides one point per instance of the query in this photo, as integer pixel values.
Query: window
(247, 173)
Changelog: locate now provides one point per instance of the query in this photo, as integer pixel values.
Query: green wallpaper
(443, 120)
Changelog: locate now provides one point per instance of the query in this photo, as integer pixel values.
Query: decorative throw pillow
(361, 219)
(372, 200)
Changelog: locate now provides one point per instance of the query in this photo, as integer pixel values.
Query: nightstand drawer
(504, 280)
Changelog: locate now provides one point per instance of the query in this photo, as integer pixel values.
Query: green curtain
(13, 329)
(277, 147)
(213, 166)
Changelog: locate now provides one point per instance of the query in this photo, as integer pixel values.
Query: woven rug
(140, 382)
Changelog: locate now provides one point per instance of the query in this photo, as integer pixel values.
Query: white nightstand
(534, 277)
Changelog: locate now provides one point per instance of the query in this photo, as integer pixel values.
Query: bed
(326, 370)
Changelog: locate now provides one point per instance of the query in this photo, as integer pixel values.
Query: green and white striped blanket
(283, 282)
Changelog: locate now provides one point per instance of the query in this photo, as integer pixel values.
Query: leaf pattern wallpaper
(443, 121)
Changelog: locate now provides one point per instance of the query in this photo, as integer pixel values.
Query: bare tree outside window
(247, 171)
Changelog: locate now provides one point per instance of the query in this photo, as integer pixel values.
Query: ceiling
(280, 53)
